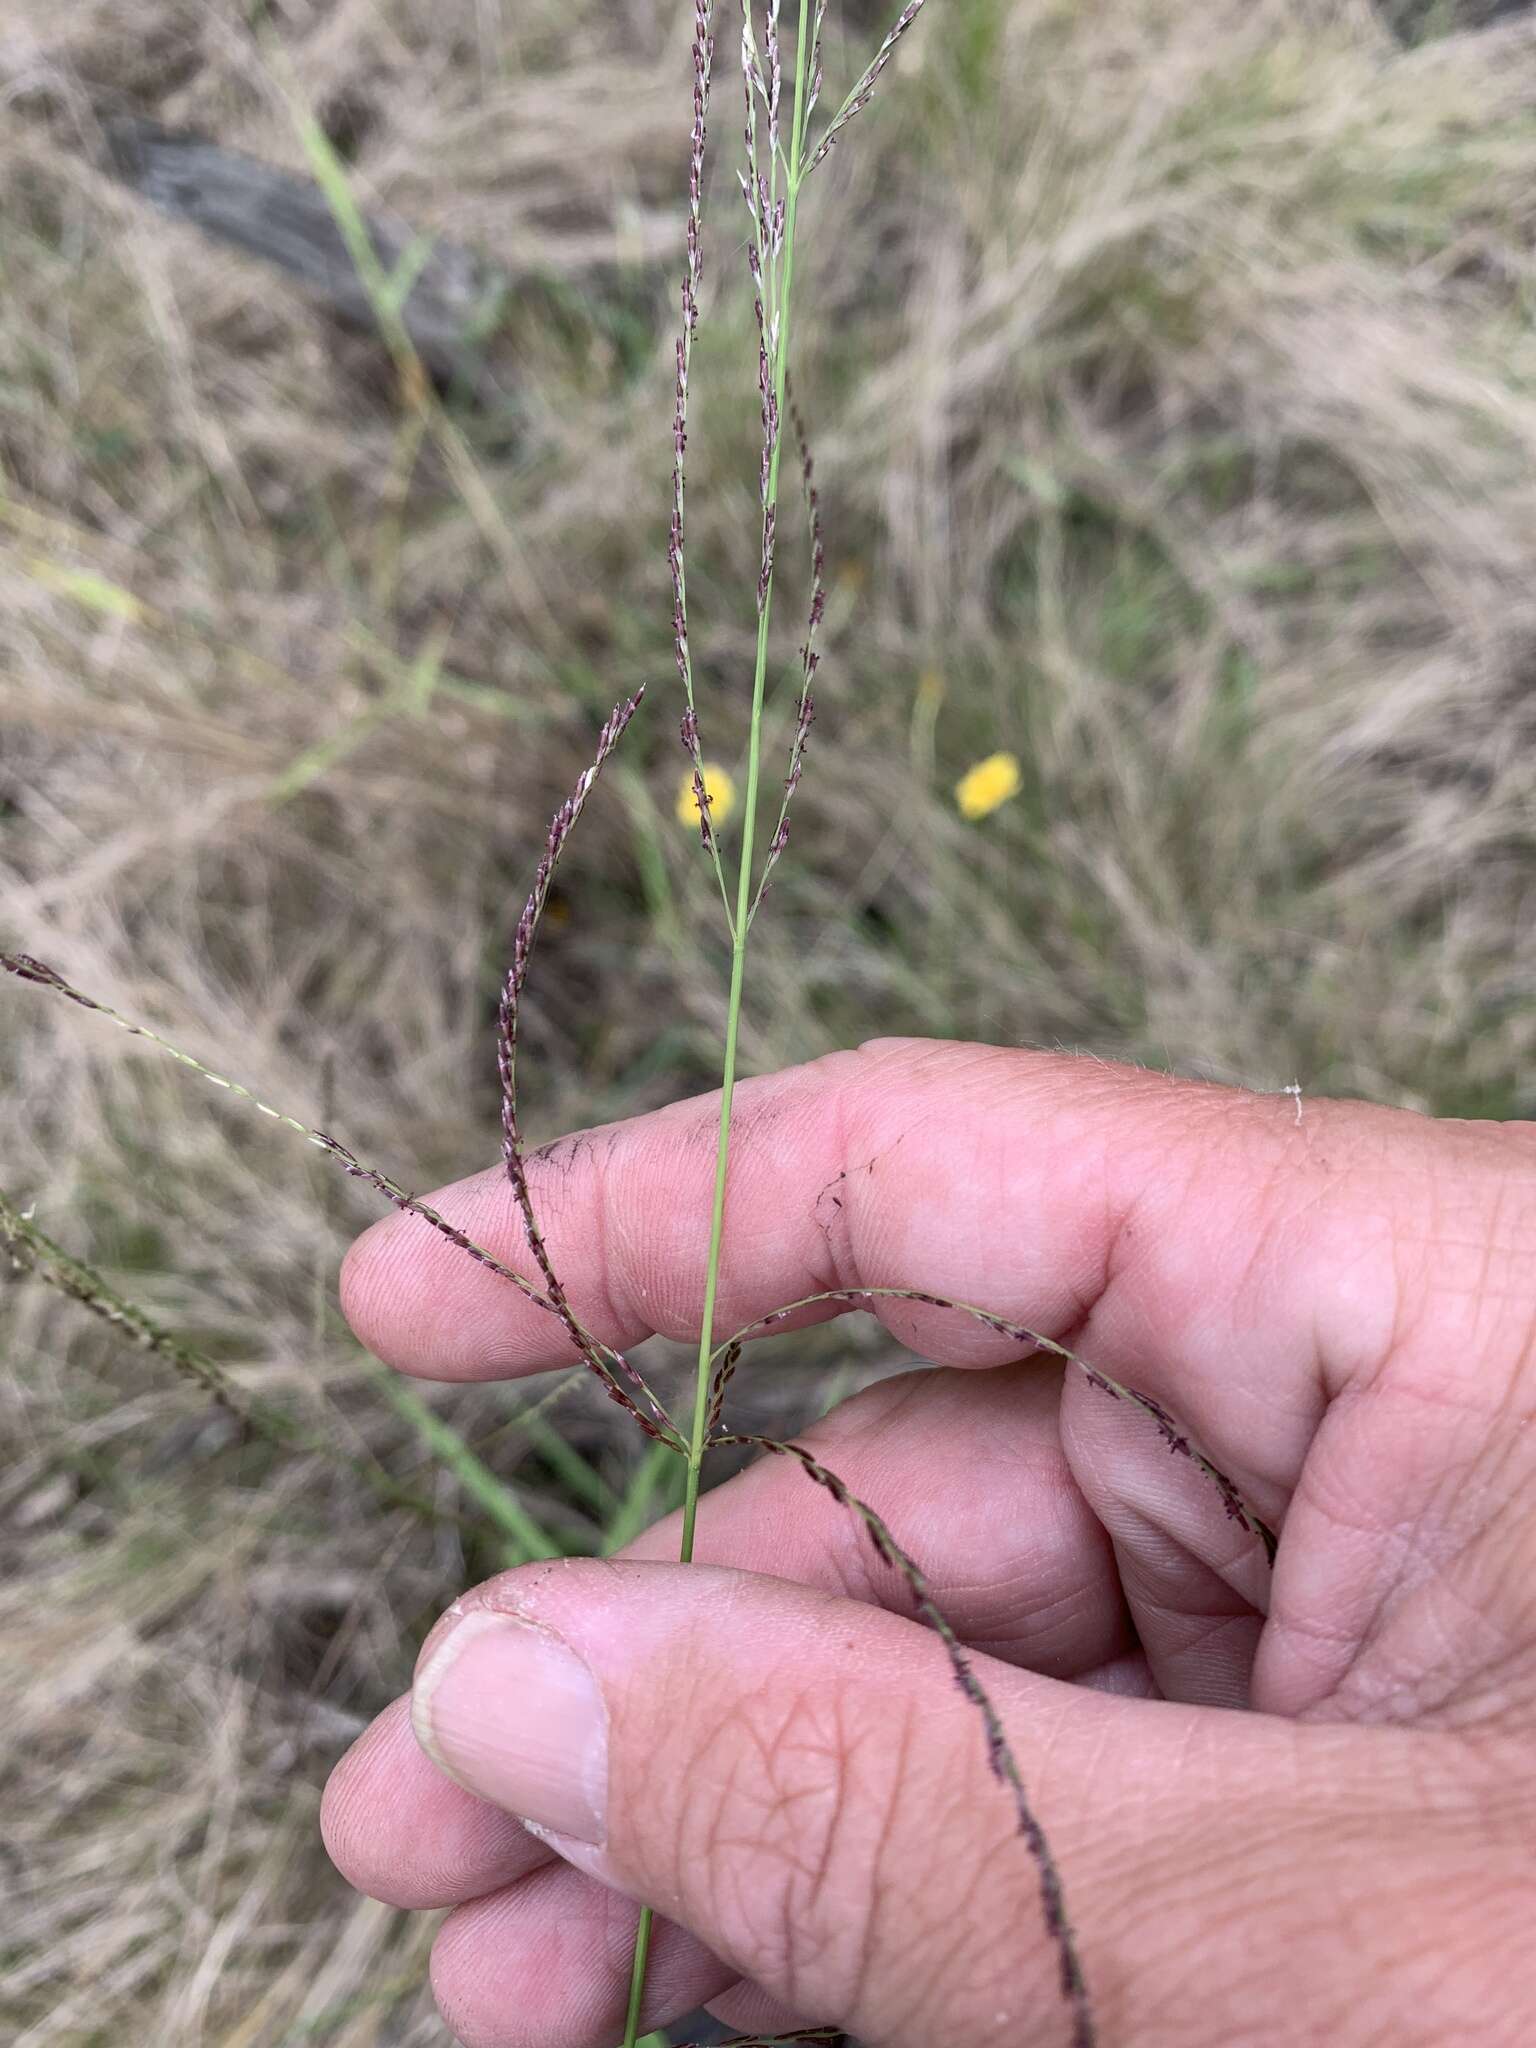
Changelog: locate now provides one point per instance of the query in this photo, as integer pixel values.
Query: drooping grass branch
(727, 1356)
(1000, 1757)
(31, 1251)
(604, 1361)
(601, 1359)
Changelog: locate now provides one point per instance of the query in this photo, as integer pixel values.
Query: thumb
(798, 1780)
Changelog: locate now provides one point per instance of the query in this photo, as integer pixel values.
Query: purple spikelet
(27, 969)
(775, 94)
(724, 1373)
(688, 732)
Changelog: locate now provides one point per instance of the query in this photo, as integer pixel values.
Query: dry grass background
(1175, 386)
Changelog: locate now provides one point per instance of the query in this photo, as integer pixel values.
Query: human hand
(1341, 1309)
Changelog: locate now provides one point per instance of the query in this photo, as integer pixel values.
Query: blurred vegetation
(1174, 394)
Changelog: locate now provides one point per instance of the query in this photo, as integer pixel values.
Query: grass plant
(1172, 407)
(777, 164)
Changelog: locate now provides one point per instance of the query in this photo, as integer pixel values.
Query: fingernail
(515, 1715)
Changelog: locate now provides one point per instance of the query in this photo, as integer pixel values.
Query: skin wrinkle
(993, 1973)
(1234, 1458)
(1196, 1629)
(757, 1814)
(1440, 1586)
(865, 1577)
(895, 1749)
(1168, 1582)
(810, 1909)
(1402, 1594)
(982, 1065)
(1143, 1529)
(860, 1573)
(1037, 1622)
(853, 1447)
(730, 1830)
(1409, 1263)
(1277, 1195)
(681, 1756)
(1431, 1556)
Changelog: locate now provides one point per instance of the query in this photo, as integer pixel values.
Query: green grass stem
(699, 1432)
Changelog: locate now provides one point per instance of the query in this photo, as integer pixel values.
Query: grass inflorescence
(780, 154)
(1172, 406)
(779, 157)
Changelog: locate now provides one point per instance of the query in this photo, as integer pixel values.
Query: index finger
(1190, 1229)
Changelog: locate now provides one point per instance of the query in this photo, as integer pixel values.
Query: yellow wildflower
(721, 788)
(990, 783)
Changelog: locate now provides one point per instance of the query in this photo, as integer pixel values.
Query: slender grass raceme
(609, 1365)
(30, 1250)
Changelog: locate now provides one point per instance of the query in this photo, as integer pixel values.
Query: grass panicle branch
(38, 972)
(31, 1251)
(864, 91)
(818, 26)
(810, 659)
(1173, 1435)
(1000, 1757)
(601, 1359)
